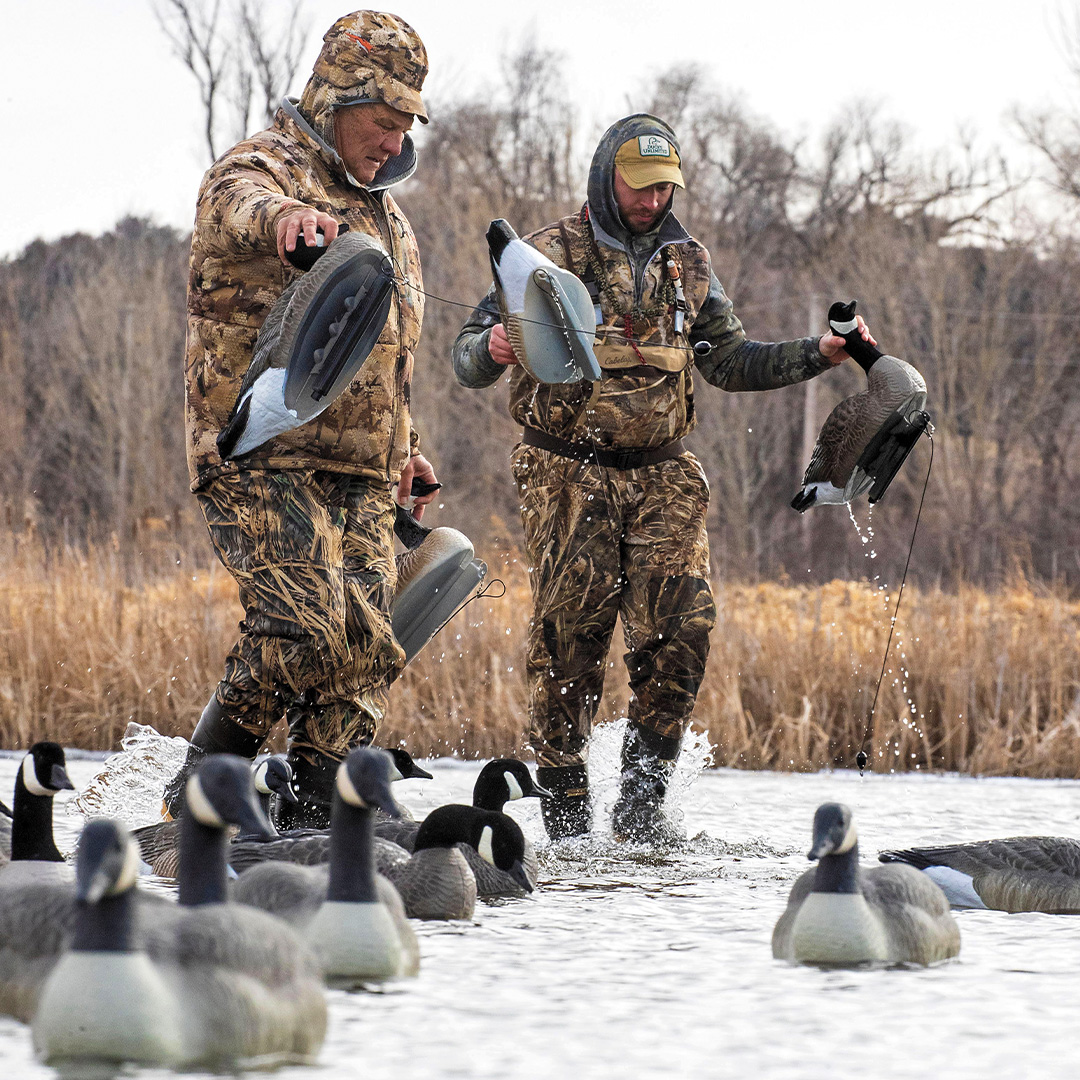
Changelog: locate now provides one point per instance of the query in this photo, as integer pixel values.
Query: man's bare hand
(417, 467)
(831, 346)
(502, 352)
(309, 221)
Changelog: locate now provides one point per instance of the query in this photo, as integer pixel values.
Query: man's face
(368, 135)
(641, 208)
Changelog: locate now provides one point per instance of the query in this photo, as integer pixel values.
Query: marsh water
(633, 962)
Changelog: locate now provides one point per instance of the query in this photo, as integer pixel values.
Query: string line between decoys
(861, 758)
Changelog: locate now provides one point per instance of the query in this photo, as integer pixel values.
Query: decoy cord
(861, 758)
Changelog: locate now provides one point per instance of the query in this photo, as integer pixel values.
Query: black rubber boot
(216, 733)
(314, 784)
(648, 760)
(567, 812)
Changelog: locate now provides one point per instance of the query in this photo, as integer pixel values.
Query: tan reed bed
(978, 682)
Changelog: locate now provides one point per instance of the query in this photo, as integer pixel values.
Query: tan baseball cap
(649, 159)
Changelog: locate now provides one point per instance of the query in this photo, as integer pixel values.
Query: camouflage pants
(629, 544)
(313, 554)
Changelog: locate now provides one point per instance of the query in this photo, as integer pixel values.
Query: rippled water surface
(632, 962)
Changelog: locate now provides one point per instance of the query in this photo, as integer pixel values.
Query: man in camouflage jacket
(612, 503)
(305, 521)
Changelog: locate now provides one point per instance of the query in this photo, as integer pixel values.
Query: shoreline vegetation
(978, 681)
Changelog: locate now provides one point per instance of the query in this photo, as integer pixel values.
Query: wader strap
(609, 459)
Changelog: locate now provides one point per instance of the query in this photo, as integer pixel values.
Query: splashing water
(130, 785)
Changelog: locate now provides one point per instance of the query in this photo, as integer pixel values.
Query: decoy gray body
(549, 316)
(312, 343)
(436, 882)
(352, 917)
(838, 914)
(5, 832)
(499, 782)
(1020, 873)
(160, 842)
(867, 436)
(214, 986)
(34, 855)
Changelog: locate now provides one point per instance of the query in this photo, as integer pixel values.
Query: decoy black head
(503, 780)
(834, 831)
(405, 768)
(43, 770)
(274, 774)
(501, 842)
(499, 235)
(842, 313)
(364, 778)
(108, 861)
(221, 792)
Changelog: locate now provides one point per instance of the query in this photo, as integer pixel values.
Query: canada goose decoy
(313, 342)
(34, 855)
(549, 316)
(498, 782)
(352, 917)
(160, 842)
(837, 914)
(1021, 873)
(436, 882)
(216, 986)
(867, 436)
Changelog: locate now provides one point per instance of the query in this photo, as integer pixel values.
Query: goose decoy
(436, 882)
(1020, 873)
(867, 436)
(549, 316)
(837, 914)
(313, 342)
(352, 917)
(498, 782)
(160, 842)
(436, 574)
(197, 987)
(34, 854)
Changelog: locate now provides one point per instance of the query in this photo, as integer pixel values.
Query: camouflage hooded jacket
(235, 277)
(646, 397)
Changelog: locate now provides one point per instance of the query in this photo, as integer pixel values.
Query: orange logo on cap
(357, 37)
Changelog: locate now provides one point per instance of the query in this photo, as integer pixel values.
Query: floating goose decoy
(352, 917)
(436, 882)
(34, 855)
(498, 782)
(549, 316)
(1021, 873)
(160, 843)
(214, 987)
(867, 436)
(315, 339)
(837, 914)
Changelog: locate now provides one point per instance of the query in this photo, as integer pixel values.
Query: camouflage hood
(368, 56)
(603, 210)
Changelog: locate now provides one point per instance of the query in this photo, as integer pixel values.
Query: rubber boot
(216, 733)
(567, 812)
(648, 761)
(314, 783)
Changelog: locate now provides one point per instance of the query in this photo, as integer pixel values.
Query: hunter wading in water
(613, 504)
(304, 522)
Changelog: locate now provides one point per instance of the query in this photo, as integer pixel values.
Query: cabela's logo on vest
(653, 146)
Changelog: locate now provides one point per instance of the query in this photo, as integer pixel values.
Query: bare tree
(239, 58)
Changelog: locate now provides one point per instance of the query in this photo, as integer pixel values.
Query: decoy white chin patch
(346, 788)
(484, 847)
(849, 839)
(200, 807)
(129, 873)
(395, 774)
(260, 778)
(842, 328)
(30, 780)
(513, 786)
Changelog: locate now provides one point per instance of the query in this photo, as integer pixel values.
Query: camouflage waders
(656, 577)
(312, 553)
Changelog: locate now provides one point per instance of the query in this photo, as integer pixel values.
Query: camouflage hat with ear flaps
(366, 56)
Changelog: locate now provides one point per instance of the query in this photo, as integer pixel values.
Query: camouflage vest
(646, 397)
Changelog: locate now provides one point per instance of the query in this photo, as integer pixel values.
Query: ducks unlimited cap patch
(649, 159)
